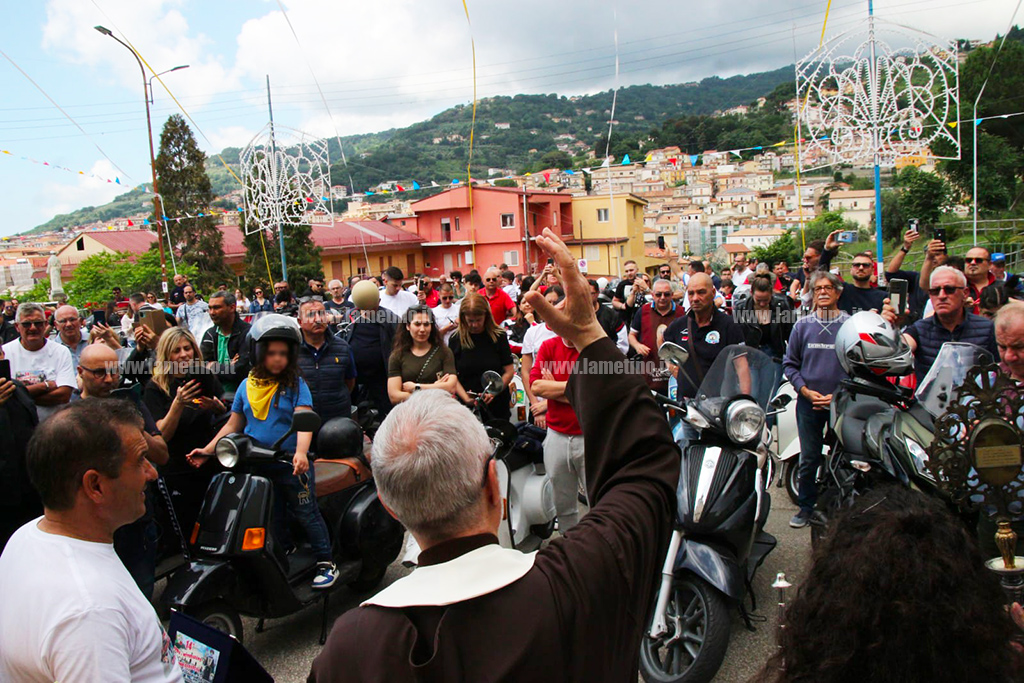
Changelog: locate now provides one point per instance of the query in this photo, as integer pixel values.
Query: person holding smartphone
(19, 502)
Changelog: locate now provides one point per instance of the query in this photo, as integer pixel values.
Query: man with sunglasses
(501, 303)
(951, 322)
(978, 269)
(862, 296)
(643, 333)
(43, 366)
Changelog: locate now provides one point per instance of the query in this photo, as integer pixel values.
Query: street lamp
(158, 208)
(177, 68)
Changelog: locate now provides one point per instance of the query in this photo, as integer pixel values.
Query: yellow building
(608, 231)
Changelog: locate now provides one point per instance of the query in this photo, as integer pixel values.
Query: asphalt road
(287, 646)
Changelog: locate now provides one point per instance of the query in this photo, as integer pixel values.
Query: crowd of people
(171, 377)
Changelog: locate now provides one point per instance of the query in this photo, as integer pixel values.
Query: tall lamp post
(158, 208)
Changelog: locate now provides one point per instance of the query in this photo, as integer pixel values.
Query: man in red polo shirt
(977, 268)
(563, 446)
(501, 303)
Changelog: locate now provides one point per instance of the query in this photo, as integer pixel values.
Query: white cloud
(63, 196)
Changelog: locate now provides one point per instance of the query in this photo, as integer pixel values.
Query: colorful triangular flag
(625, 159)
(400, 188)
(415, 185)
(130, 224)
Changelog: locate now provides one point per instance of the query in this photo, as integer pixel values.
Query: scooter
(529, 516)
(723, 502)
(237, 566)
(785, 438)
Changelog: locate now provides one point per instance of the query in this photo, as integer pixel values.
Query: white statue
(56, 287)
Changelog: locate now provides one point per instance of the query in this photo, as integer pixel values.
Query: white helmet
(869, 346)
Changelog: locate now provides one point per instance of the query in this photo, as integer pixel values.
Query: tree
(924, 196)
(782, 249)
(556, 159)
(95, 277)
(186, 191)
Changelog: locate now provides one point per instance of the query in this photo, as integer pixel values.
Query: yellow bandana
(260, 393)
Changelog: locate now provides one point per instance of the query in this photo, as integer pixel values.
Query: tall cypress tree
(186, 191)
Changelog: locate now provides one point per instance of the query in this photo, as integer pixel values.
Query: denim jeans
(810, 426)
(295, 498)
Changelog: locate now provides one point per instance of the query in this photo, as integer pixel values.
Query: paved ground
(287, 646)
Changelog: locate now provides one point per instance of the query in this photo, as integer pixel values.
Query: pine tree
(186, 191)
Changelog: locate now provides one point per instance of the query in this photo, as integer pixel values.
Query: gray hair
(428, 462)
(332, 283)
(229, 297)
(29, 307)
(960, 277)
(824, 275)
(1009, 313)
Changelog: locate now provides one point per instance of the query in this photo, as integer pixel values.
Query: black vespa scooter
(723, 502)
(237, 566)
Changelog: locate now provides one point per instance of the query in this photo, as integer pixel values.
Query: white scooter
(785, 438)
(529, 498)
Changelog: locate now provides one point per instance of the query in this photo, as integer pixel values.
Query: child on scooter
(263, 409)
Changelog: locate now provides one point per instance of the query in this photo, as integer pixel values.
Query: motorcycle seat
(337, 475)
(855, 421)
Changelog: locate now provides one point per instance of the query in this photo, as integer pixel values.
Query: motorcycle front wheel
(694, 646)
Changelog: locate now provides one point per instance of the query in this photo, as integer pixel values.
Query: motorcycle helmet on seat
(868, 346)
(340, 437)
(273, 327)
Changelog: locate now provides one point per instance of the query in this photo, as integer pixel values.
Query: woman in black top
(478, 346)
(188, 411)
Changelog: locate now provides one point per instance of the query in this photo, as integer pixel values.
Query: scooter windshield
(935, 391)
(737, 370)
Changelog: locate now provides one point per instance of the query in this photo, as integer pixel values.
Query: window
(602, 215)
(592, 252)
(80, 244)
(622, 251)
(508, 220)
(456, 224)
(511, 258)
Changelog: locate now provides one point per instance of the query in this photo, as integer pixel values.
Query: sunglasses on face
(862, 265)
(447, 298)
(99, 373)
(659, 295)
(950, 290)
(258, 293)
(33, 323)
(975, 259)
(490, 279)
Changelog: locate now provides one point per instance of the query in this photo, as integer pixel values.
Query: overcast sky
(381, 64)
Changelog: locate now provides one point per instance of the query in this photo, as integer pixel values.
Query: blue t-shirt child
(279, 417)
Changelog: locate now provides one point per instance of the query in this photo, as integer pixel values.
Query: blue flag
(415, 185)
(625, 159)
(693, 159)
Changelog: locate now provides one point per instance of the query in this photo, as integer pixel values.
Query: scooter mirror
(780, 401)
(491, 383)
(305, 421)
(674, 354)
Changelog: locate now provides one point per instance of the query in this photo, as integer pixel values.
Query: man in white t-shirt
(71, 611)
(446, 314)
(394, 298)
(43, 366)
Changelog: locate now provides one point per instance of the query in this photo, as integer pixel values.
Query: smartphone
(940, 234)
(551, 261)
(5, 369)
(898, 295)
(913, 226)
(847, 236)
(99, 317)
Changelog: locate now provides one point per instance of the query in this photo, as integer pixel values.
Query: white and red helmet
(869, 346)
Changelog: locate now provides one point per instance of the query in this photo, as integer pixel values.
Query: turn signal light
(195, 534)
(254, 538)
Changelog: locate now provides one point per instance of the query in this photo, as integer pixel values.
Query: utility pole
(273, 183)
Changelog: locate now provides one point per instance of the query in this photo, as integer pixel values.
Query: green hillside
(534, 123)
(127, 204)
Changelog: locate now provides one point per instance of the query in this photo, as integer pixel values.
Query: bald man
(501, 303)
(704, 331)
(68, 322)
(98, 376)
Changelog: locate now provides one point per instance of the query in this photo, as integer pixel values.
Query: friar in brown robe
(574, 611)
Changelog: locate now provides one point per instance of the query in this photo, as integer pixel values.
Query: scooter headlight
(229, 451)
(920, 457)
(744, 421)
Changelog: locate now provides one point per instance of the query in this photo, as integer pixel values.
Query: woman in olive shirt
(419, 358)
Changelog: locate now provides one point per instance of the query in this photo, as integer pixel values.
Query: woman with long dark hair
(478, 346)
(419, 358)
(897, 592)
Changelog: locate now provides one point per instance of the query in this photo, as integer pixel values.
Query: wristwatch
(904, 249)
(417, 387)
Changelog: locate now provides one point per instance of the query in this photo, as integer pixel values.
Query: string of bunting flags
(694, 159)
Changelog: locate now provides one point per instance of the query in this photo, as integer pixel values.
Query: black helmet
(273, 327)
(340, 437)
